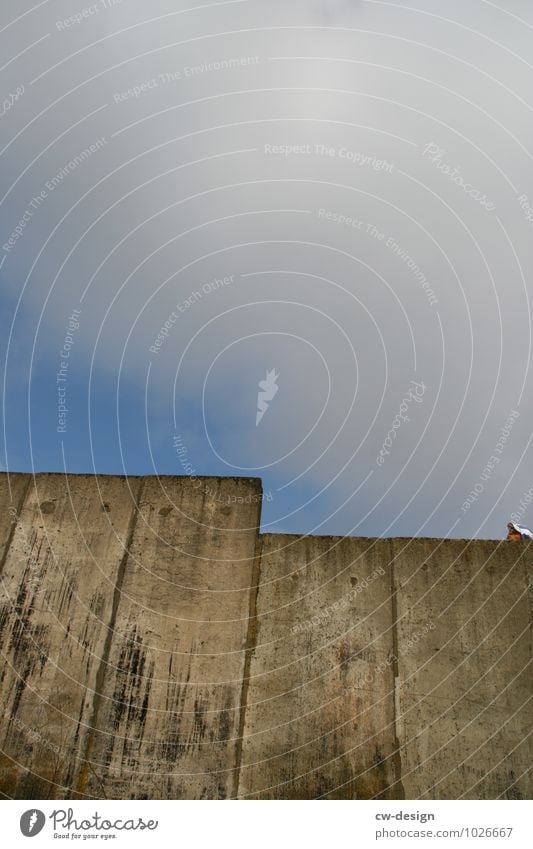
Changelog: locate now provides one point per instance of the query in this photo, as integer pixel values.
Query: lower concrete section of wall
(464, 655)
(57, 584)
(320, 712)
(154, 645)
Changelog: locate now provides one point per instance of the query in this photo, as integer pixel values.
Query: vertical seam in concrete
(529, 591)
(106, 651)
(19, 507)
(397, 757)
(251, 644)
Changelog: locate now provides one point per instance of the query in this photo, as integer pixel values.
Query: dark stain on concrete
(345, 657)
(225, 725)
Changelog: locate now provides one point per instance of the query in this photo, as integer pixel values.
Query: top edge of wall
(338, 538)
(131, 477)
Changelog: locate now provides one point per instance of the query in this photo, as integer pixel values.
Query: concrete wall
(154, 645)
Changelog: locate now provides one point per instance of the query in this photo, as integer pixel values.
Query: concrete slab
(464, 663)
(55, 606)
(169, 718)
(319, 717)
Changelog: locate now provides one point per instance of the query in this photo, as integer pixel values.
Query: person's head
(513, 534)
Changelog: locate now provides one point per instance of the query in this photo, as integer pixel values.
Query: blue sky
(293, 213)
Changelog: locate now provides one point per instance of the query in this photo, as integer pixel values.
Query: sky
(321, 208)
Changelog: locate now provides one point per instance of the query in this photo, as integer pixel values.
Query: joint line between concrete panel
(251, 643)
(400, 791)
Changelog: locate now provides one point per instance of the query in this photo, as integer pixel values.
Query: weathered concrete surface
(13, 490)
(319, 718)
(56, 597)
(168, 722)
(170, 651)
(464, 654)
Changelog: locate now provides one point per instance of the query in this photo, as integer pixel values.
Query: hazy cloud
(339, 191)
